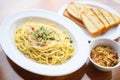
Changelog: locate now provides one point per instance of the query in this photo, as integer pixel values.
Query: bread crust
(96, 21)
(78, 22)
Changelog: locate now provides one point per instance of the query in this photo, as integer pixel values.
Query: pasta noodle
(43, 43)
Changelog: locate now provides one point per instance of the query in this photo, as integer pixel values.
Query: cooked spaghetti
(43, 43)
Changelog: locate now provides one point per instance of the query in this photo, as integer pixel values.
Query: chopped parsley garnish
(71, 41)
(43, 34)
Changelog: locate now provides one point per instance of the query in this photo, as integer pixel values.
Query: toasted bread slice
(95, 20)
(78, 22)
(116, 18)
(74, 10)
(101, 18)
(91, 28)
(108, 17)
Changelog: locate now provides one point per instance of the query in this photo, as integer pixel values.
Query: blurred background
(8, 7)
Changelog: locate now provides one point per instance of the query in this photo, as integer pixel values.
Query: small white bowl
(105, 42)
(10, 25)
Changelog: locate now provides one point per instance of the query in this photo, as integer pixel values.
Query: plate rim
(25, 66)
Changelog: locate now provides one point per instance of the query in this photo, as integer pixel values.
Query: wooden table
(10, 71)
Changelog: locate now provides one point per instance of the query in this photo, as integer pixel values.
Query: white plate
(113, 33)
(11, 23)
